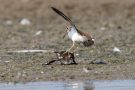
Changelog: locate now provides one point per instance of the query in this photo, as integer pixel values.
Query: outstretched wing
(63, 15)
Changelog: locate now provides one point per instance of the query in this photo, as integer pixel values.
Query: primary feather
(62, 14)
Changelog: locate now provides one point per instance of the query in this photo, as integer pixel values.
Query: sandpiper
(74, 34)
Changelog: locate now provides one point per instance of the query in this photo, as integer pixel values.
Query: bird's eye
(67, 28)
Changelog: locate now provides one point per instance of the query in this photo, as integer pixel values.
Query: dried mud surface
(111, 23)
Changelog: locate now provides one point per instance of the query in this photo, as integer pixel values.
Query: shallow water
(72, 85)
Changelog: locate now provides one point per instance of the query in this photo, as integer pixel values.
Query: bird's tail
(62, 14)
(88, 43)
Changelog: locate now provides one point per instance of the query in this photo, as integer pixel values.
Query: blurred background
(21, 19)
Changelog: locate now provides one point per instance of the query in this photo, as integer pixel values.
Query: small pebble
(116, 49)
(38, 33)
(102, 28)
(25, 21)
(42, 72)
(8, 22)
(36, 78)
(77, 54)
(7, 61)
(85, 70)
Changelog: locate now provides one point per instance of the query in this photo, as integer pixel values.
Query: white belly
(78, 38)
(75, 36)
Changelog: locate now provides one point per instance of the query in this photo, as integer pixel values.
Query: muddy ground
(111, 23)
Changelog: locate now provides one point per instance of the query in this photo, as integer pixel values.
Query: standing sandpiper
(74, 34)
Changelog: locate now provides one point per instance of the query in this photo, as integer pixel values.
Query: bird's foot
(67, 51)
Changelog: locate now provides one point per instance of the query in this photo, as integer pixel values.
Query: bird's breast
(75, 36)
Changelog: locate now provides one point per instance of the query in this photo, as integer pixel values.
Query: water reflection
(76, 85)
(72, 85)
(81, 85)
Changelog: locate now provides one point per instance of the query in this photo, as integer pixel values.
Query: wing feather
(63, 15)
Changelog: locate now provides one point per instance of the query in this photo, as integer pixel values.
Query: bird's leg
(67, 51)
(76, 50)
(64, 34)
(71, 47)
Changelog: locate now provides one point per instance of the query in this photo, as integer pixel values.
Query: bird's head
(89, 42)
(68, 29)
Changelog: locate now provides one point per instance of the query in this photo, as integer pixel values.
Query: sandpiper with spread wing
(74, 34)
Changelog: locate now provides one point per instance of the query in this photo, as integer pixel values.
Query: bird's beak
(64, 34)
(93, 39)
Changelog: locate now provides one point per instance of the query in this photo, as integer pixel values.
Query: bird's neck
(73, 30)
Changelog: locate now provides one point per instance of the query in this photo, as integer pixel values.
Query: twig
(31, 51)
